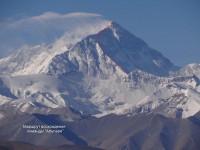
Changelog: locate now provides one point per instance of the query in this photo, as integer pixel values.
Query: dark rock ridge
(19, 145)
(111, 132)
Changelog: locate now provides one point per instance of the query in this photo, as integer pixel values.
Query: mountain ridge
(112, 132)
(111, 71)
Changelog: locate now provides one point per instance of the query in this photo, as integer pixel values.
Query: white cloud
(46, 28)
(53, 15)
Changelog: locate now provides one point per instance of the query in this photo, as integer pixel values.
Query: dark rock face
(16, 145)
(112, 132)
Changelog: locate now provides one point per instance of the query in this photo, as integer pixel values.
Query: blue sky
(172, 26)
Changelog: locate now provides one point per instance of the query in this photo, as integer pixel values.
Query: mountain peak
(115, 50)
(131, 52)
(115, 25)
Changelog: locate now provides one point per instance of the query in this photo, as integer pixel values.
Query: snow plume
(47, 28)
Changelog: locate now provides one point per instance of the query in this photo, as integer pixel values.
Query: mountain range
(110, 132)
(96, 80)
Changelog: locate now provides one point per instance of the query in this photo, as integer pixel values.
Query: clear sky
(170, 26)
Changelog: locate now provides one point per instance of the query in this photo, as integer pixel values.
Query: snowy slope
(140, 92)
(189, 70)
(171, 100)
(36, 90)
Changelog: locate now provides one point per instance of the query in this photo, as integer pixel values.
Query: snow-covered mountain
(108, 71)
(35, 59)
(112, 50)
(175, 96)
